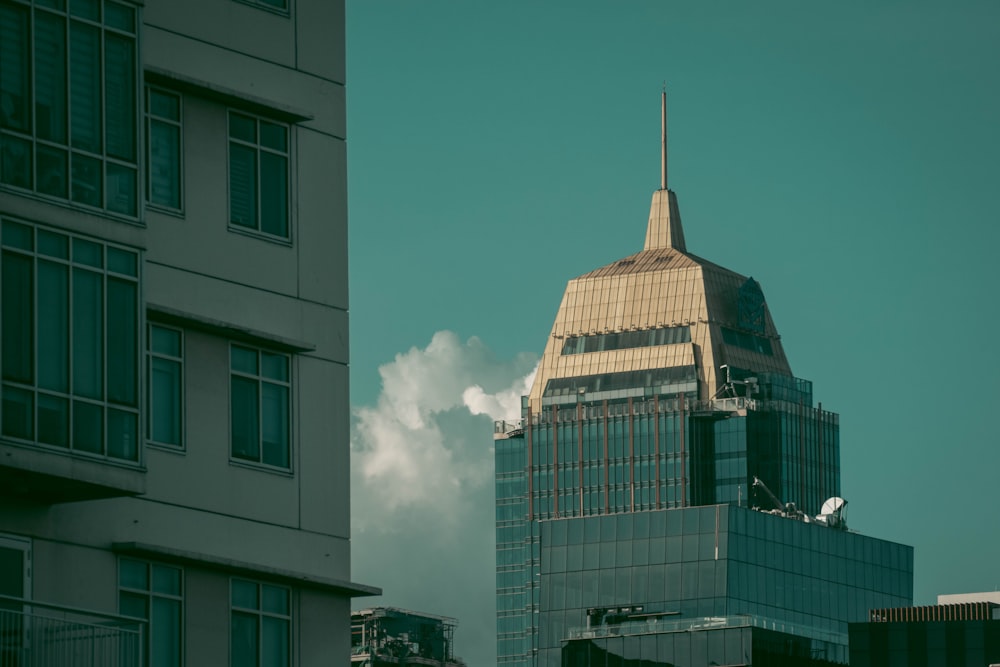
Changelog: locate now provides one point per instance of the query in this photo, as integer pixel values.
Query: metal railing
(657, 625)
(36, 634)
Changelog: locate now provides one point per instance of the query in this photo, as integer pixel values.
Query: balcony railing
(34, 634)
(655, 625)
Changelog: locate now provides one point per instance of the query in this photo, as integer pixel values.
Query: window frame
(65, 152)
(260, 614)
(262, 4)
(149, 593)
(257, 230)
(73, 396)
(261, 379)
(148, 119)
(151, 355)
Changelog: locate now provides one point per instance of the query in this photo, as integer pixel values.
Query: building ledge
(167, 315)
(279, 575)
(226, 96)
(57, 476)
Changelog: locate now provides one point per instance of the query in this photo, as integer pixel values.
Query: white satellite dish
(833, 505)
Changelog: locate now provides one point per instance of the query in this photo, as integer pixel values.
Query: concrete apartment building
(175, 420)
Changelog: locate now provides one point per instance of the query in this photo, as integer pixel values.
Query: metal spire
(663, 139)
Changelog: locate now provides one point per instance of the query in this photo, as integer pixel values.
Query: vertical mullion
(147, 406)
(69, 120)
(104, 346)
(34, 324)
(145, 142)
(260, 605)
(33, 127)
(260, 422)
(257, 193)
(102, 140)
(70, 278)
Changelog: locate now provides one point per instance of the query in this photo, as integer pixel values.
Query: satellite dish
(833, 505)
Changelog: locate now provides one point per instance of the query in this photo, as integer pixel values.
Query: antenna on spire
(663, 138)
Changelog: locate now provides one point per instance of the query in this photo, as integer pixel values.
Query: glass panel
(88, 341)
(242, 186)
(133, 574)
(243, 630)
(166, 580)
(51, 176)
(274, 404)
(53, 326)
(88, 427)
(133, 604)
(87, 9)
(52, 244)
(123, 435)
(18, 413)
(275, 599)
(121, 194)
(165, 401)
(14, 70)
(86, 252)
(164, 164)
(165, 341)
(164, 105)
(86, 175)
(243, 128)
(274, 194)
(165, 634)
(119, 16)
(15, 161)
(119, 96)
(53, 420)
(245, 594)
(274, 136)
(17, 236)
(123, 318)
(85, 88)
(274, 366)
(122, 261)
(17, 314)
(50, 77)
(243, 360)
(275, 644)
(244, 418)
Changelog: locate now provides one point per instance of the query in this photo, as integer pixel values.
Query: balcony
(34, 634)
(54, 475)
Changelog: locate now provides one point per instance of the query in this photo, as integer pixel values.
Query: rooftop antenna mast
(663, 138)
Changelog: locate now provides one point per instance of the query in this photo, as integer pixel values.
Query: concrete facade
(198, 505)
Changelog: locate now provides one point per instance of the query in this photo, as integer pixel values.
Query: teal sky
(843, 154)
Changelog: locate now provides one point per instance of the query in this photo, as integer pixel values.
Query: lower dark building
(717, 584)
(385, 636)
(943, 635)
(730, 642)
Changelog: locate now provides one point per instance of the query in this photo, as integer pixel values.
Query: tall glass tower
(663, 386)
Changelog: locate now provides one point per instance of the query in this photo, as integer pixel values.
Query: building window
(163, 149)
(166, 385)
(153, 593)
(260, 625)
(258, 175)
(68, 82)
(69, 352)
(259, 406)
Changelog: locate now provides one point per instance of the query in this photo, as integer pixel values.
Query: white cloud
(422, 483)
(400, 448)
